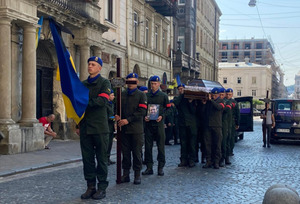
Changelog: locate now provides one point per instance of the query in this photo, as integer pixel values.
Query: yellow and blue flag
(177, 81)
(75, 94)
(38, 31)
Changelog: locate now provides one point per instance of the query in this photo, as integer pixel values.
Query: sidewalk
(61, 152)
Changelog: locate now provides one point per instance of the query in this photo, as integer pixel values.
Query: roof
(241, 65)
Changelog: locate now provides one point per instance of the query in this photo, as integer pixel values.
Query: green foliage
(257, 102)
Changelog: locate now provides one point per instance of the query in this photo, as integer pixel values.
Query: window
(135, 27)
(181, 37)
(224, 55)
(235, 46)
(164, 42)
(109, 10)
(253, 92)
(181, 2)
(224, 46)
(247, 54)
(239, 93)
(247, 46)
(253, 80)
(224, 80)
(258, 54)
(156, 38)
(239, 80)
(258, 45)
(147, 33)
(235, 55)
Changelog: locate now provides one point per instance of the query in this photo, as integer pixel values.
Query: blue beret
(229, 90)
(111, 91)
(155, 78)
(171, 101)
(215, 90)
(132, 75)
(181, 85)
(96, 59)
(222, 90)
(143, 88)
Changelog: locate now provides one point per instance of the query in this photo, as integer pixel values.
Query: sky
(276, 20)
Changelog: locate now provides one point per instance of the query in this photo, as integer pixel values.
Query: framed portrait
(153, 111)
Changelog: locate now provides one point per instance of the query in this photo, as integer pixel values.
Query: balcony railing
(185, 61)
(164, 7)
(84, 8)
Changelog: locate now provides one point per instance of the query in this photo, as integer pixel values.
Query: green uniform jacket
(235, 112)
(95, 120)
(110, 115)
(227, 112)
(214, 109)
(186, 111)
(134, 107)
(162, 100)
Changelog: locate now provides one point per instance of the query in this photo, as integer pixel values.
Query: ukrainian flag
(38, 31)
(177, 81)
(75, 94)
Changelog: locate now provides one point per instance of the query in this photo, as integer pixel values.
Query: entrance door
(44, 91)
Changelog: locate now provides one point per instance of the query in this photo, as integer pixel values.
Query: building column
(5, 70)
(29, 75)
(84, 56)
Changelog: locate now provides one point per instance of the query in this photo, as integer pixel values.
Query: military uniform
(235, 122)
(213, 134)
(187, 121)
(169, 122)
(94, 132)
(134, 106)
(226, 117)
(155, 131)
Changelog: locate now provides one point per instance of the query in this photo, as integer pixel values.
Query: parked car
(256, 112)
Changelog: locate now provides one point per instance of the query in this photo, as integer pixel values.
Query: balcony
(184, 61)
(84, 8)
(164, 7)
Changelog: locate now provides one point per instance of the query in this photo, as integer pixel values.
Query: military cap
(132, 75)
(229, 90)
(96, 59)
(111, 91)
(143, 88)
(155, 78)
(215, 90)
(222, 90)
(181, 85)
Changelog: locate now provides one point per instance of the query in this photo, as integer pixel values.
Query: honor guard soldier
(235, 121)
(94, 131)
(226, 117)
(155, 127)
(134, 106)
(111, 124)
(187, 121)
(213, 135)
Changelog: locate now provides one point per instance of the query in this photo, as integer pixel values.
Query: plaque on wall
(105, 57)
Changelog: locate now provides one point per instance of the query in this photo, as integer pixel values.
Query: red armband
(228, 106)
(105, 95)
(168, 105)
(142, 106)
(222, 105)
(233, 105)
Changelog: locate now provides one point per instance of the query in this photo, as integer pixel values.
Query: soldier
(111, 124)
(134, 106)
(94, 132)
(226, 117)
(213, 134)
(155, 128)
(169, 121)
(235, 119)
(187, 121)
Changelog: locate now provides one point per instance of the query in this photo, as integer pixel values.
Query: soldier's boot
(227, 161)
(192, 163)
(182, 163)
(100, 194)
(137, 177)
(160, 171)
(125, 178)
(203, 159)
(216, 165)
(207, 165)
(148, 171)
(90, 191)
(222, 162)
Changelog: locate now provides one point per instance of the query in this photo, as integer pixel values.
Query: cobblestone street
(253, 170)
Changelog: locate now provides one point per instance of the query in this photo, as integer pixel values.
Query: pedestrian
(111, 124)
(267, 124)
(213, 134)
(134, 107)
(155, 128)
(49, 134)
(187, 120)
(94, 132)
(235, 121)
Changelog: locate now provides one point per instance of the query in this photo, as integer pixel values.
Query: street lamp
(252, 3)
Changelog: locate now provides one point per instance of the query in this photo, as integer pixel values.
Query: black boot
(90, 191)
(148, 171)
(100, 194)
(207, 165)
(160, 172)
(137, 177)
(227, 162)
(222, 162)
(125, 178)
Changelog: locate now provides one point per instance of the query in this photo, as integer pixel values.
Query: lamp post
(252, 3)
